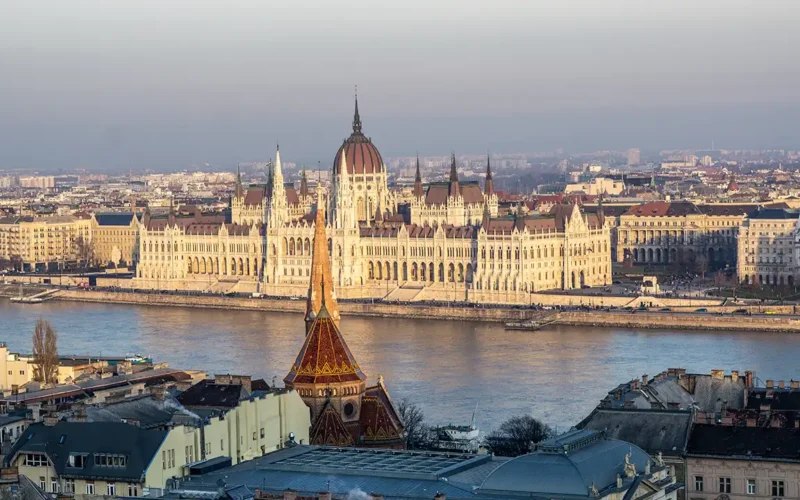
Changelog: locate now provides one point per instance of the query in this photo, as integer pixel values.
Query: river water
(557, 374)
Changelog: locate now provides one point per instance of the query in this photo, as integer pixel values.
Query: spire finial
(418, 180)
(489, 187)
(356, 116)
(454, 188)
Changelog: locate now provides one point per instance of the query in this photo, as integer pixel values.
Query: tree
(417, 435)
(701, 264)
(84, 251)
(45, 353)
(517, 436)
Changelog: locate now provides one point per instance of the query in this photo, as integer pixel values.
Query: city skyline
(217, 85)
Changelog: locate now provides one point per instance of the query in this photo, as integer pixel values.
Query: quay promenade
(700, 315)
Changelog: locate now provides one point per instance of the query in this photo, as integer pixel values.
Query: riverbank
(781, 321)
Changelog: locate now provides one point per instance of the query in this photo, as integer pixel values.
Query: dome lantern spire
(356, 117)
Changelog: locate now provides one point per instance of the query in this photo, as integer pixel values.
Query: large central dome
(361, 155)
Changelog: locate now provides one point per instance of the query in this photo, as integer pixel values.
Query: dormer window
(36, 460)
(108, 460)
(76, 460)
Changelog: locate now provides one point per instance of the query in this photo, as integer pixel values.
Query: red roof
(254, 196)
(380, 423)
(664, 209)
(324, 357)
(329, 430)
(437, 193)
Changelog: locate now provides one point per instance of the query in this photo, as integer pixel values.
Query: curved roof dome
(568, 465)
(361, 155)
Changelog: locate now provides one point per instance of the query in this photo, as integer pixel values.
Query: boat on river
(457, 438)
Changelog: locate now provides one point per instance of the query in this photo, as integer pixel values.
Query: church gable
(379, 419)
(329, 430)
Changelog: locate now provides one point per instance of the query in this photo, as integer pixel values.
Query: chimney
(324, 495)
(50, 420)
(243, 380)
(770, 384)
(794, 384)
(749, 377)
(781, 384)
(634, 385)
(77, 412)
(289, 494)
(439, 496)
(751, 422)
(644, 379)
(734, 375)
(718, 374)
(375, 496)
(158, 392)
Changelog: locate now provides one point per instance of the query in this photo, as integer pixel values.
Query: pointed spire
(304, 185)
(356, 117)
(601, 213)
(278, 192)
(488, 189)
(238, 181)
(378, 213)
(171, 217)
(487, 217)
(343, 164)
(278, 171)
(320, 290)
(269, 179)
(418, 182)
(454, 189)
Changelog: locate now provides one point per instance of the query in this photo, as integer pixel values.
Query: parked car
(701, 310)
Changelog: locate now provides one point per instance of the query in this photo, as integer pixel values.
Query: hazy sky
(168, 83)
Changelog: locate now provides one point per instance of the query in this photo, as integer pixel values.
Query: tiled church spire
(321, 280)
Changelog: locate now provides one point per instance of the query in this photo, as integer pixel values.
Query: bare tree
(84, 251)
(701, 264)
(45, 353)
(415, 432)
(16, 263)
(517, 436)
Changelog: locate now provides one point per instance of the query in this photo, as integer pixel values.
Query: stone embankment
(681, 321)
(781, 321)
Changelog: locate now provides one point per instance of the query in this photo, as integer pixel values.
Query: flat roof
(384, 462)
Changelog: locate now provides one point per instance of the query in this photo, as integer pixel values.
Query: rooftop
(64, 439)
(665, 431)
(409, 464)
(394, 473)
(749, 443)
(569, 465)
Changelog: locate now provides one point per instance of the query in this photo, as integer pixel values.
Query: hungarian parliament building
(448, 243)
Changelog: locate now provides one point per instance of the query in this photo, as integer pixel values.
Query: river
(558, 374)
